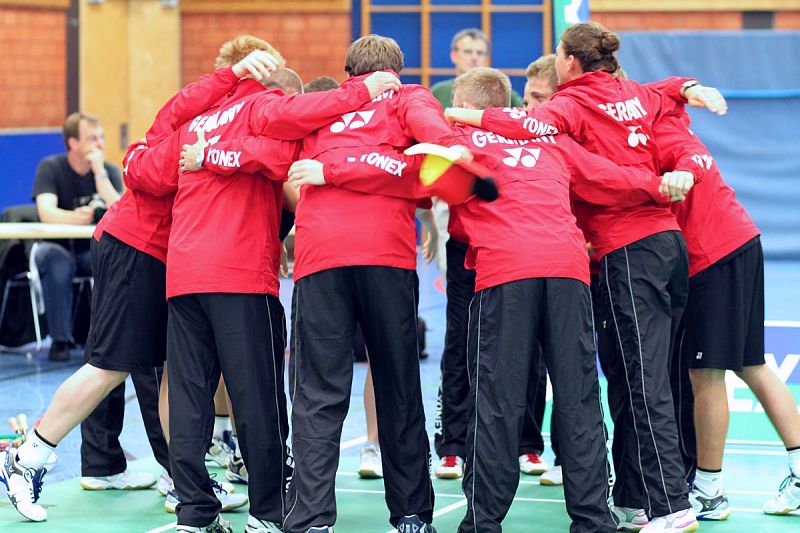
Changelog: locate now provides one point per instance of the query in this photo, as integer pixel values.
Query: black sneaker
(59, 351)
(413, 524)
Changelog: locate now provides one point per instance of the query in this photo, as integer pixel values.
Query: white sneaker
(679, 522)
(237, 472)
(323, 529)
(705, 507)
(51, 462)
(254, 525)
(788, 498)
(219, 452)
(164, 483)
(552, 477)
(450, 467)
(371, 466)
(24, 485)
(228, 499)
(219, 525)
(532, 464)
(127, 480)
(629, 519)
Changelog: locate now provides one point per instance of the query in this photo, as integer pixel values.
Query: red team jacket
(140, 219)
(224, 236)
(612, 118)
(713, 221)
(530, 230)
(337, 227)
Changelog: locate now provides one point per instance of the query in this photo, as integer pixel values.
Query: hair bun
(609, 42)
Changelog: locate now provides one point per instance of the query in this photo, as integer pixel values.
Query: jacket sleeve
(252, 155)
(560, 115)
(381, 170)
(190, 102)
(294, 117)
(668, 94)
(421, 117)
(680, 149)
(597, 180)
(153, 169)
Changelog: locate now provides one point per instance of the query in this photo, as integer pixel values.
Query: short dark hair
(475, 33)
(485, 87)
(72, 125)
(372, 53)
(322, 83)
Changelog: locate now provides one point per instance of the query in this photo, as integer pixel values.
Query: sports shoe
(164, 483)
(710, 507)
(229, 500)
(51, 462)
(237, 472)
(413, 524)
(553, 477)
(254, 525)
(24, 485)
(679, 522)
(323, 529)
(219, 452)
(127, 480)
(532, 464)
(371, 467)
(219, 525)
(788, 498)
(450, 467)
(629, 519)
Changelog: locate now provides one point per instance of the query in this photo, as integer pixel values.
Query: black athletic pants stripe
(453, 401)
(644, 287)
(327, 306)
(101, 452)
(506, 324)
(243, 336)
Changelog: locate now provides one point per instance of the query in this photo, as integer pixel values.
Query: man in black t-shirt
(69, 189)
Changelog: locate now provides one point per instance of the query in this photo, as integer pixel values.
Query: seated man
(67, 190)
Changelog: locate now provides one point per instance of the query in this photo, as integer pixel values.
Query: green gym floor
(755, 462)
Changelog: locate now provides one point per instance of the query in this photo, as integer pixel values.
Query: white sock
(709, 483)
(794, 461)
(34, 452)
(220, 425)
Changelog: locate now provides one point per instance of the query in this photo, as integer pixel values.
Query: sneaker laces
(370, 451)
(450, 461)
(533, 458)
(216, 485)
(37, 482)
(784, 484)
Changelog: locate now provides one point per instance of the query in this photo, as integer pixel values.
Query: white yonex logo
(699, 355)
(636, 137)
(527, 156)
(703, 161)
(353, 121)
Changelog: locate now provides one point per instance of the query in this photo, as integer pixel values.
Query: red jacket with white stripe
(530, 230)
(613, 118)
(337, 227)
(713, 221)
(140, 219)
(224, 235)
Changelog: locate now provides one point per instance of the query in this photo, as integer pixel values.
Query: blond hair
(484, 87)
(237, 49)
(372, 53)
(544, 68)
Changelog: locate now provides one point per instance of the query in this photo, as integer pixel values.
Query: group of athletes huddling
(612, 228)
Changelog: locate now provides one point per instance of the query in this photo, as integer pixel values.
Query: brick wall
(32, 67)
(313, 44)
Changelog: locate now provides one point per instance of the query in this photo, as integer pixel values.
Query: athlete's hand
(464, 155)
(459, 115)
(708, 97)
(431, 244)
(676, 185)
(284, 268)
(380, 82)
(306, 172)
(188, 160)
(258, 64)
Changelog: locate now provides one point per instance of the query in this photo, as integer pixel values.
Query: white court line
(443, 510)
(353, 442)
(163, 528)
(782, 323)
